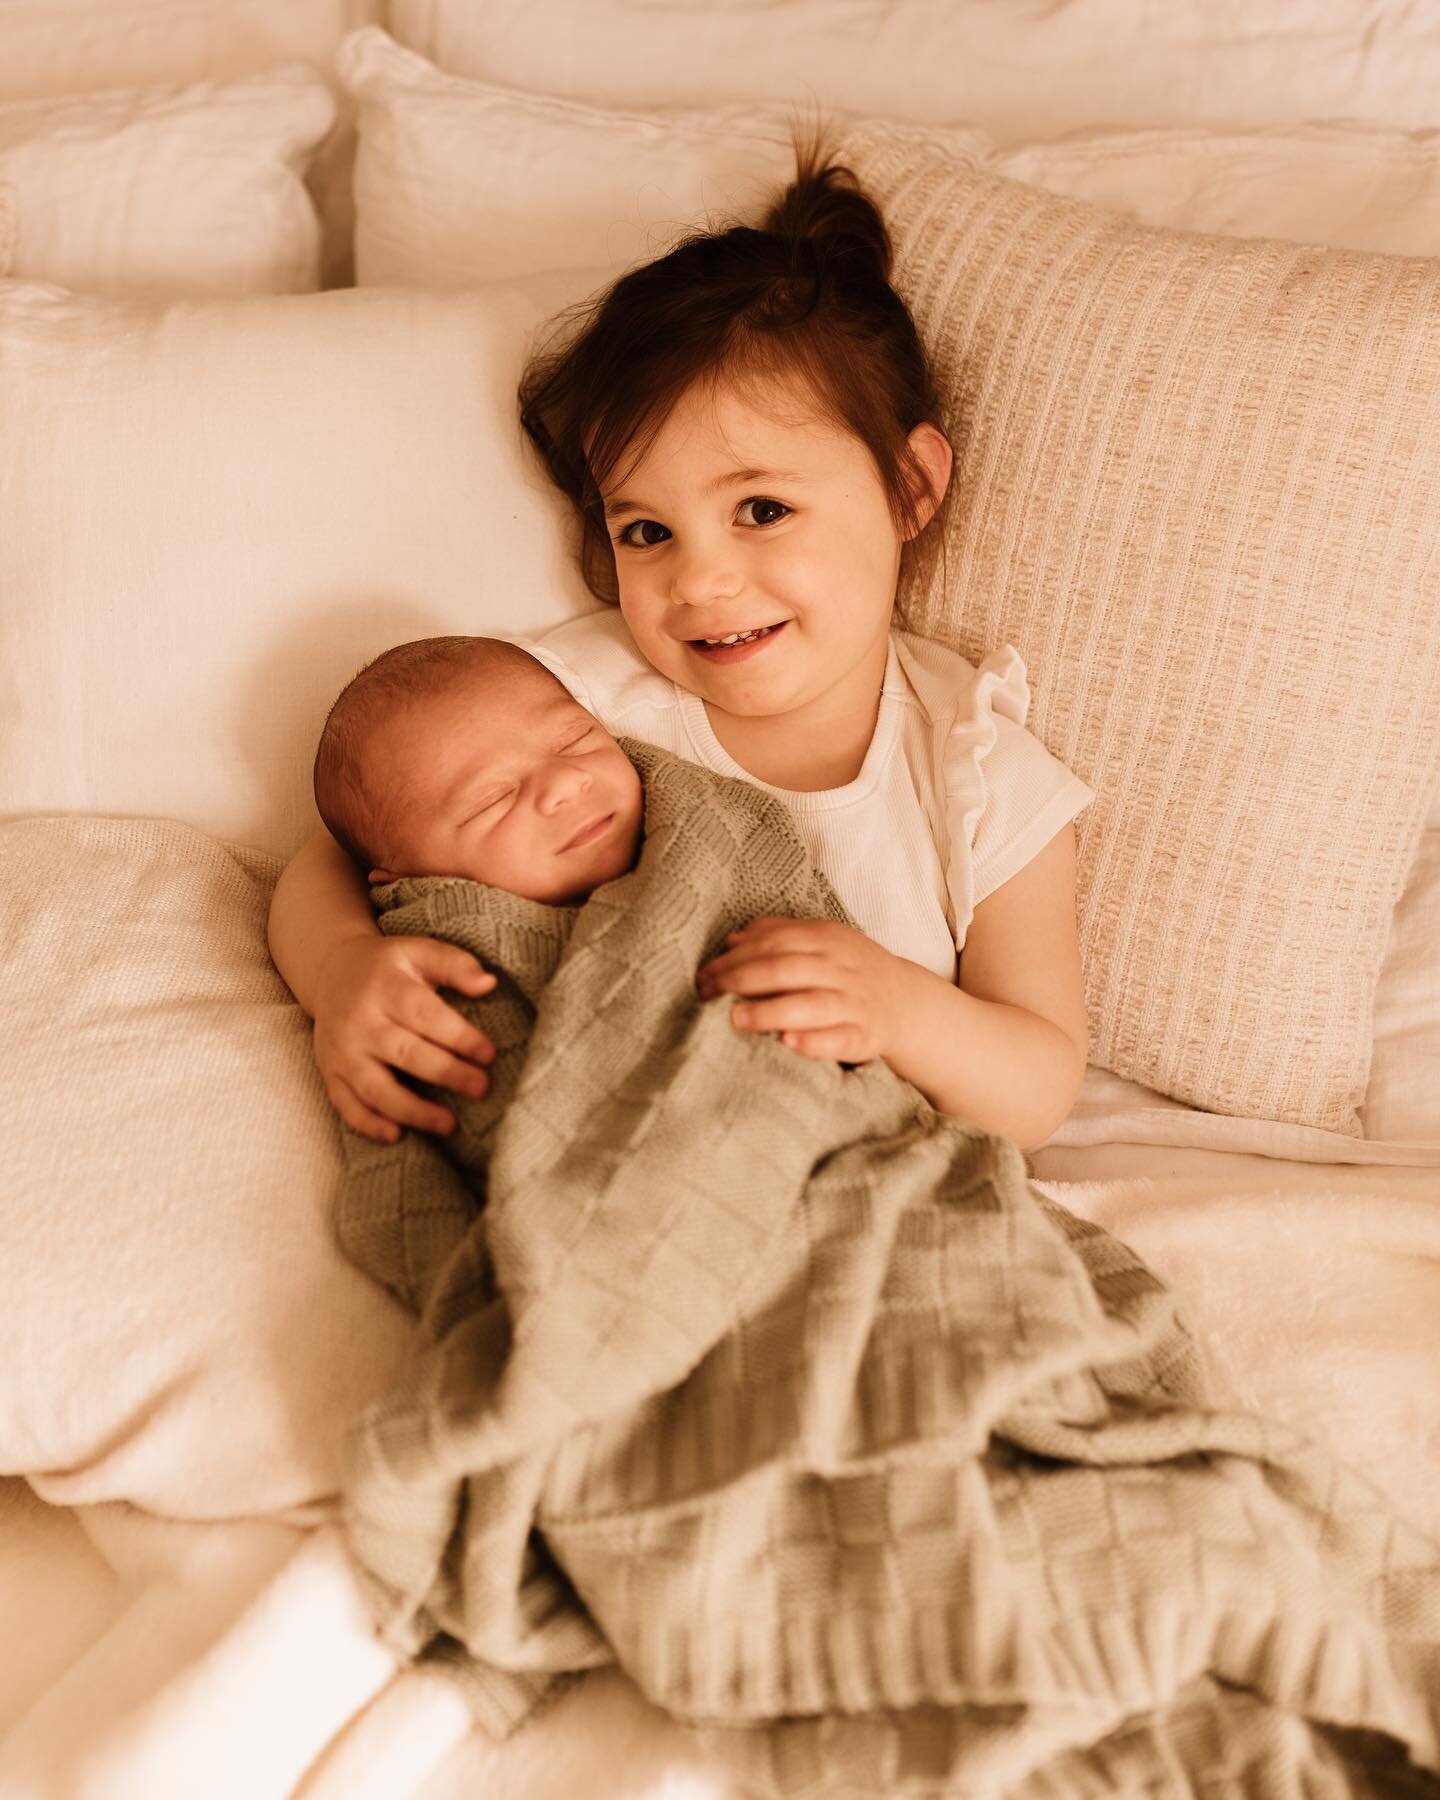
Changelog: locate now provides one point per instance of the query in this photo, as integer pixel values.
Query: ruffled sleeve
(1002, 795)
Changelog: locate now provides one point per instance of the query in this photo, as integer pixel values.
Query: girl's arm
(1008, 1046)
(319, 901)
(373, 998)
(1005, 1049)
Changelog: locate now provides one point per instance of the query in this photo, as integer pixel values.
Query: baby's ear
(376, 876)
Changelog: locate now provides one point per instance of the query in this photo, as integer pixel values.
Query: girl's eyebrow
(615, 509)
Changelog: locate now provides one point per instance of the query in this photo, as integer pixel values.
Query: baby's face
(506, 780)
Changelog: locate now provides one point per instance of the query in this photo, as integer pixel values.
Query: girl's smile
(736, 648)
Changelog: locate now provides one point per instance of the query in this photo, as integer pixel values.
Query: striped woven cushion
(1197, 483)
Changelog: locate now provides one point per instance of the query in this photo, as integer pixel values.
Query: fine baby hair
(803, 300)
(358, 804)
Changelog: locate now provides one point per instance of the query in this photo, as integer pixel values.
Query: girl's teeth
(736, 637)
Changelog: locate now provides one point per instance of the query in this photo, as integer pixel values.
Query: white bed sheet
(148, 1657)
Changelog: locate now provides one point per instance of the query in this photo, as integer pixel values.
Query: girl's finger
(836, 1044)
(430, 1017)
(430, 1063)
(378, 1089)
(447, 965)
(357, 1115)
(776, 944)
(809, 1009)
(762, 974)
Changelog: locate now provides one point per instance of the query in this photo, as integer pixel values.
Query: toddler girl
(745, 428)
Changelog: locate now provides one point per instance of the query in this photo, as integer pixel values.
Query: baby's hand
(377, 1010)
(828, 990)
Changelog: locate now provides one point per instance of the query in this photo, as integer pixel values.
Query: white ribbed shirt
(953, 798)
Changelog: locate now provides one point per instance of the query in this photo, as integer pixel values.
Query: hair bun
(824, 207)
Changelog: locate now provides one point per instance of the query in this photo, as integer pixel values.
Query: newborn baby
(465, 756)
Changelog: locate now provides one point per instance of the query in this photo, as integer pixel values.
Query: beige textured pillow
(1195, 485)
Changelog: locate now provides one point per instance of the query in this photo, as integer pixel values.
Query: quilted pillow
(1193, 485)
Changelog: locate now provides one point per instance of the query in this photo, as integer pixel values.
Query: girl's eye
(767, 512)
(641, 525)
(775, 510)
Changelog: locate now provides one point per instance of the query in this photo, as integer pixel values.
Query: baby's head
(466, 756)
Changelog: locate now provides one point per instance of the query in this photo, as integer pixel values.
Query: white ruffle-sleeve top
(954, 796)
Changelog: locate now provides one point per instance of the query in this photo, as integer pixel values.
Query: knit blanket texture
(863, 1459)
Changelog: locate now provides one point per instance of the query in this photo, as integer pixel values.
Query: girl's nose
(702, 572)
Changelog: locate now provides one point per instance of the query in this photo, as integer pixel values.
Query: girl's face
(766, 522)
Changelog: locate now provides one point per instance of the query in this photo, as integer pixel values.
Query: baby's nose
(564, 780)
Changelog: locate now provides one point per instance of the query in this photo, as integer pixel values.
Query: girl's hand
(377, 1010)
(828, 990)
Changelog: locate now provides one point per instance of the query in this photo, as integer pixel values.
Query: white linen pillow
(50, 48)
(191, 190)
(457, 181)
(217, 510)
(180, 1327)
(1350, 187)
(1021, 70)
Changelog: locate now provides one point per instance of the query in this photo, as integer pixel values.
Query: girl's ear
(930, 449)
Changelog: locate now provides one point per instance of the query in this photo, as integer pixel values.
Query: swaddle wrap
(756, 1375)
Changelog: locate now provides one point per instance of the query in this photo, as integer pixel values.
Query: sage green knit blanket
(757, 1376)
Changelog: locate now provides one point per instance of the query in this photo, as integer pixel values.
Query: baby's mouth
(587, 834)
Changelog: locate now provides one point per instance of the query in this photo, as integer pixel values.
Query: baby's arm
(373, 998)
(1005, 1049)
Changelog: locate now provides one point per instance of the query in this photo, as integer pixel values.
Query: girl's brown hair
(806, 296)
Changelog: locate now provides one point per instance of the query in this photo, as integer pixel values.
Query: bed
(271, 271)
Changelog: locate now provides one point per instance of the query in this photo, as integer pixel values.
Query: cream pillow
(458, 182)
(1022, 69)
(1192, 485)
(1351, 188)
(216, 510)
(194, 190)
(180, 1328)
(50, 48)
